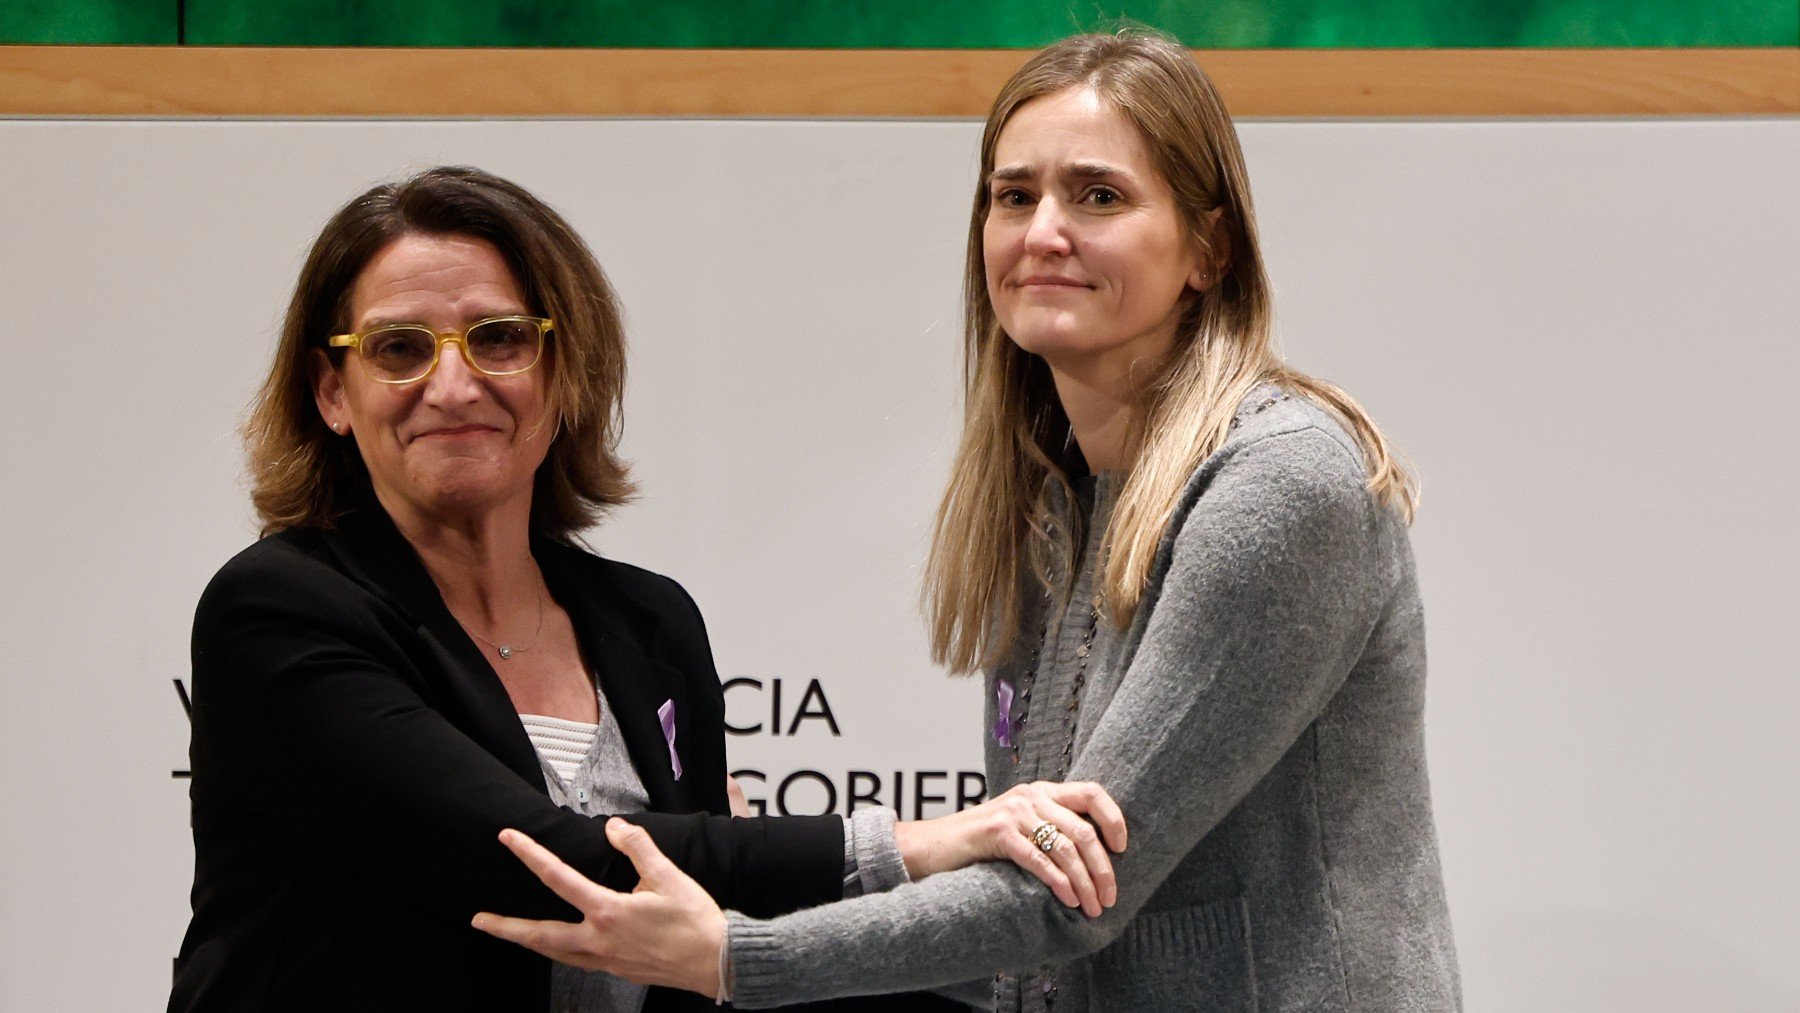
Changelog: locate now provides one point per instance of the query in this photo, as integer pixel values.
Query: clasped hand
(668, 931)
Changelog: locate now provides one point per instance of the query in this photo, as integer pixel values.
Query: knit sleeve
(872, 859)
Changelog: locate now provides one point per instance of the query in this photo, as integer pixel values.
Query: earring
(337, 427)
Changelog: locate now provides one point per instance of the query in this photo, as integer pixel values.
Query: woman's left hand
(1075, 865)
(665, 932)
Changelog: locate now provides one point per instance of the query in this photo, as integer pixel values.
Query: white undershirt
(562, 743)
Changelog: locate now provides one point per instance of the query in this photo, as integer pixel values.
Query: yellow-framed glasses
(403, 353)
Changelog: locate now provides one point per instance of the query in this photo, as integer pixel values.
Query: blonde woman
(1183, 569)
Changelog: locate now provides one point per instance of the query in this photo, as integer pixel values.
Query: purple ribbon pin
(1003, 725)
(666, 715)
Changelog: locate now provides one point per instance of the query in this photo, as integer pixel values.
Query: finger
(734, 792)
(1026, 855)
(556, 874)
(556, 940)
(654, 869)
(1085, 848)
(1092, 801)
(1068, 858)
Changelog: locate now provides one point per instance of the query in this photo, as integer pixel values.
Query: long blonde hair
(994, 523)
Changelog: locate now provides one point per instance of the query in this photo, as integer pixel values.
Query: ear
(328, 390)
(1209, 269)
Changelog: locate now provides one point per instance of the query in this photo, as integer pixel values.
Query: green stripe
(935, 24)
(90, 22)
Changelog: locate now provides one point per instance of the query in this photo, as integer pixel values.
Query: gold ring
(1046, 836)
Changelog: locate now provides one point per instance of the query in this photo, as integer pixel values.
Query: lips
(452, 432)
(1051, 281)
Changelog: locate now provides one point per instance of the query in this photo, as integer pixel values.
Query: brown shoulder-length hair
(303, 475)
(994, 524)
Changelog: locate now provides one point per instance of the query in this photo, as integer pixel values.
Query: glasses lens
(399, 353)
(504, 346)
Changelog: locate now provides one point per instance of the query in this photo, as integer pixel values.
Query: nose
(453, 382)
(1047, 235)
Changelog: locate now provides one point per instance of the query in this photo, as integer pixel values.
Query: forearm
(925, 849)
(967, 924)
(765, 865)
(946, 930)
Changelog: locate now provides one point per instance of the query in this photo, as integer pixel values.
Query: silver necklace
(506, 651)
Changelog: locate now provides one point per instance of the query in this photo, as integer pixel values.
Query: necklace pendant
(505, 652)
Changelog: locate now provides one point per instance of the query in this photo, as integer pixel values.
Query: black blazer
(355, 756)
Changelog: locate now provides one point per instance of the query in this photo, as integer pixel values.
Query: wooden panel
(189, 81)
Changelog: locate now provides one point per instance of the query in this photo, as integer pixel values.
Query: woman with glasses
(1184, 570)
(417, 653)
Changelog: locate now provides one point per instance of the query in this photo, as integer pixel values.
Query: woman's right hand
(1076, 867)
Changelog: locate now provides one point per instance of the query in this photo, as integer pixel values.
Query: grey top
(1261, 725)
(606, 782)
(1073, 644)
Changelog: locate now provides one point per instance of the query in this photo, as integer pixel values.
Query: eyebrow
(385, 321)
(397, 321)
(1075, 170)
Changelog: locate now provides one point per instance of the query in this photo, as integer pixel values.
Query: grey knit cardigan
(1261, 724)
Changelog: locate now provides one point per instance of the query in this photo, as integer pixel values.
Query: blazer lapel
(616, 635)
(376, 555)
(614, 632)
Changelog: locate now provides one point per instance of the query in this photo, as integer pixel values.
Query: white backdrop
(1585, 334)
